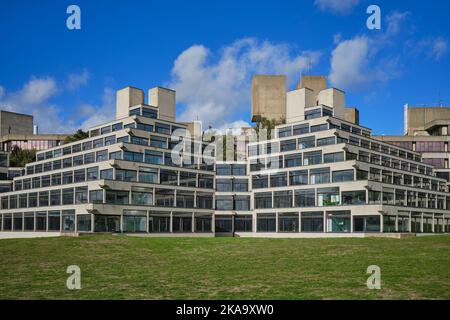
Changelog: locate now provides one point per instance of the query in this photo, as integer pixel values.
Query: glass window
(154, 157)
(306, 142)
(288, 145)
(312, 221)
(81, 195)
(311, 158)
(102, 155)
(223, 185)
(259, 182)
(243, 223)
(263, 200)
(292, 160)
(67, 196)
(282, 199)
(354, 197)
(333, 157)
(148, 175)
(224, 203)
(288, 222)
(96, 196)
(321, 175)
(301, 129)
(338, 221)
(278, 180)
(328, 197)
(299, 177)
(92, 173)
(343, 175)
(142, 196)
(305, 198)
(266, 222)
(117, 197)
(326, 141)
(55, 197)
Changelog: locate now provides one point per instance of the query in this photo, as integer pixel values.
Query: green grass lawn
(121, 267)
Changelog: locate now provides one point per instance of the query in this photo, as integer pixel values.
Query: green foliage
(268, 124)
(19, 157)
(79, 135)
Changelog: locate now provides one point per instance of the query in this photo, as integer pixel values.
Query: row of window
(137, 196)
(323, 197)
(144, 175)
(302, 177)
(131, 221)
(161, 128)
(160, 222)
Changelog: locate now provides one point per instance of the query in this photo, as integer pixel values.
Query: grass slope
(120, 267)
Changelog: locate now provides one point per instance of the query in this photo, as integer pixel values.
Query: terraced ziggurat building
(321, 174)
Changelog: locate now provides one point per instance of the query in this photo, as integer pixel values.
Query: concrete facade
(15, 123)
(269, 97)
(427, 131)
(320, 175)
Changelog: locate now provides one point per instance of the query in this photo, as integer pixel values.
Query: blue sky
(208, 51)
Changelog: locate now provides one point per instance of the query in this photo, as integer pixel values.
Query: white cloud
(76, 80)
(439, 47)
(215, 87)
(36, 96)
(349, 62)
(337, 6)
(357, 62)
(95, 115)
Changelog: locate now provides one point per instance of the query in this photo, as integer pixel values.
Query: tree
(79, 135)
(19, 157)
(268, 124)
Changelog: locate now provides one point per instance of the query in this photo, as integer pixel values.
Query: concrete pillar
(193, 222)
(421, 222)
(433, 222)
(148, 219)
(381, 223)
(276, 222)
(171, 221)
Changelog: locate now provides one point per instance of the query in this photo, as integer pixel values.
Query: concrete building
(268, 97)
(426, 130)
(17, 129)
(319, 175)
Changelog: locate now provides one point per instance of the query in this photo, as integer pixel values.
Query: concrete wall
(126, 98)
(268, 97)
(333, 98)
(165, 100)
(296, 102)
(15, 123)
(417, 118)
(351, 115)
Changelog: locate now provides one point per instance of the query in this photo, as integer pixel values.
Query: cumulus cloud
(36, 97)
(77, 80)
(92, 115)
(33, 98)
(337, 6)
(214, 87)
(356, 63)
(349, 62)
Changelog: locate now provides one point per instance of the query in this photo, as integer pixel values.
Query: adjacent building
(17, 129)
(426, 130)
(322, 173)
